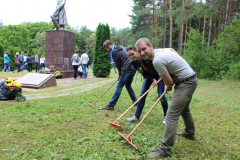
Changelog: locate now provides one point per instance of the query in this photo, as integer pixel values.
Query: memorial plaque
(36, 80)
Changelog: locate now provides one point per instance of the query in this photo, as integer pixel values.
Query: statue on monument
(59, 17)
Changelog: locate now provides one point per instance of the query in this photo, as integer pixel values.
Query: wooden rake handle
(105, 92)
(138, 100)
(147, 113)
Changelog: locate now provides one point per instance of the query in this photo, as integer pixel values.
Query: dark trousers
(75, 67)
(29, 67)
(37, 66)
(42, 65)
(145, 86)
(80, 74)
(17, 66)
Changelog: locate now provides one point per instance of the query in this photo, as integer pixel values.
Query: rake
(115, 123)
(92, 104)
(128, 137)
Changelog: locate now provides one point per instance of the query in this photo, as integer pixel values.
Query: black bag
(5, 92)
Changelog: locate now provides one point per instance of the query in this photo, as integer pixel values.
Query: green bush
(233, 72)
(101, 59)
(12, 63)
(1, 63)
(193, 54)
(1, 50)
(213, 67)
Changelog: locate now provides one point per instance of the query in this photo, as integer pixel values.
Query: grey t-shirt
(165, 61)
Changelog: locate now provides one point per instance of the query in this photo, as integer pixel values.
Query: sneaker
(183, 134)
(132, 119)
(157, 154)
(164, 120)
(9, 72)
(108, 107)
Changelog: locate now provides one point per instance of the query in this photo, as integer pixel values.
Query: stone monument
(60, 44)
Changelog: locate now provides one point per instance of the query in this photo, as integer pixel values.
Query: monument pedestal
(59, 48)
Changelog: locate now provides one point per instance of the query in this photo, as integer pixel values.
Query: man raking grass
(173, 69)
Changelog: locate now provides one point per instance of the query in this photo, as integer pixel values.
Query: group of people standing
(80, 64)
(23, 61)
(164, 63)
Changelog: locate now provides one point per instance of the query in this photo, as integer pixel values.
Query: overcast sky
(79, 12)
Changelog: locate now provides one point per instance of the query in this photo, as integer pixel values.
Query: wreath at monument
(52, 70)
(11, 89)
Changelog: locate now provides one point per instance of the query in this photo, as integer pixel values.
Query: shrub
(233, 72)
(1, 63)
(101, 56)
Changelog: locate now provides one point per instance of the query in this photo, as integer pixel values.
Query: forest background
(206, 35)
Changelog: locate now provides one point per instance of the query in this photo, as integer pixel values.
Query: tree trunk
(219, 21)
(215, 28)
(204, 26)
(181, 32)
(230, 14)
(170, 39)
(165, 24)
(156, 26)
(190, 23)
(226, 18)
(153, 16)
(238, 9)
(209, 34)
(185, 36)
(199, 24)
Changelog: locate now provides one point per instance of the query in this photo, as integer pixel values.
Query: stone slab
(36, 80)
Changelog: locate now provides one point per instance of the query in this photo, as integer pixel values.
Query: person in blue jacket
(126, 72)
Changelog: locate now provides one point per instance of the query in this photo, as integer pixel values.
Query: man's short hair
(107, 43)
(141, 40)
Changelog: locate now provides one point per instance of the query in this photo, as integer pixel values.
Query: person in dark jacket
(30, 60)
(150, 78)
(17, 62)
(125, 69)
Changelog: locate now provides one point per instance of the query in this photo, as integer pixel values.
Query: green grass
(68, 128)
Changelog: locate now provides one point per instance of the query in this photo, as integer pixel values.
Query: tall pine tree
(101, 59)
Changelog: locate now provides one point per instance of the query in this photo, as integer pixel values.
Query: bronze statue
(59, 17)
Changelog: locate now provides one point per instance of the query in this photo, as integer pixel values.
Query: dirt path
(70, 91)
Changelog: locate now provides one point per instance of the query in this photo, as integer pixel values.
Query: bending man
(174, 70)
(150, 78)
(125, 69)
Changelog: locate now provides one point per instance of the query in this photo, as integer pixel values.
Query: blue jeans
(22, 67)
(37, 66)
(80, 74)
(126, 80)
(145, 86)
(6, 65)
(17, 66)
(42, 66)
(84, 66)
